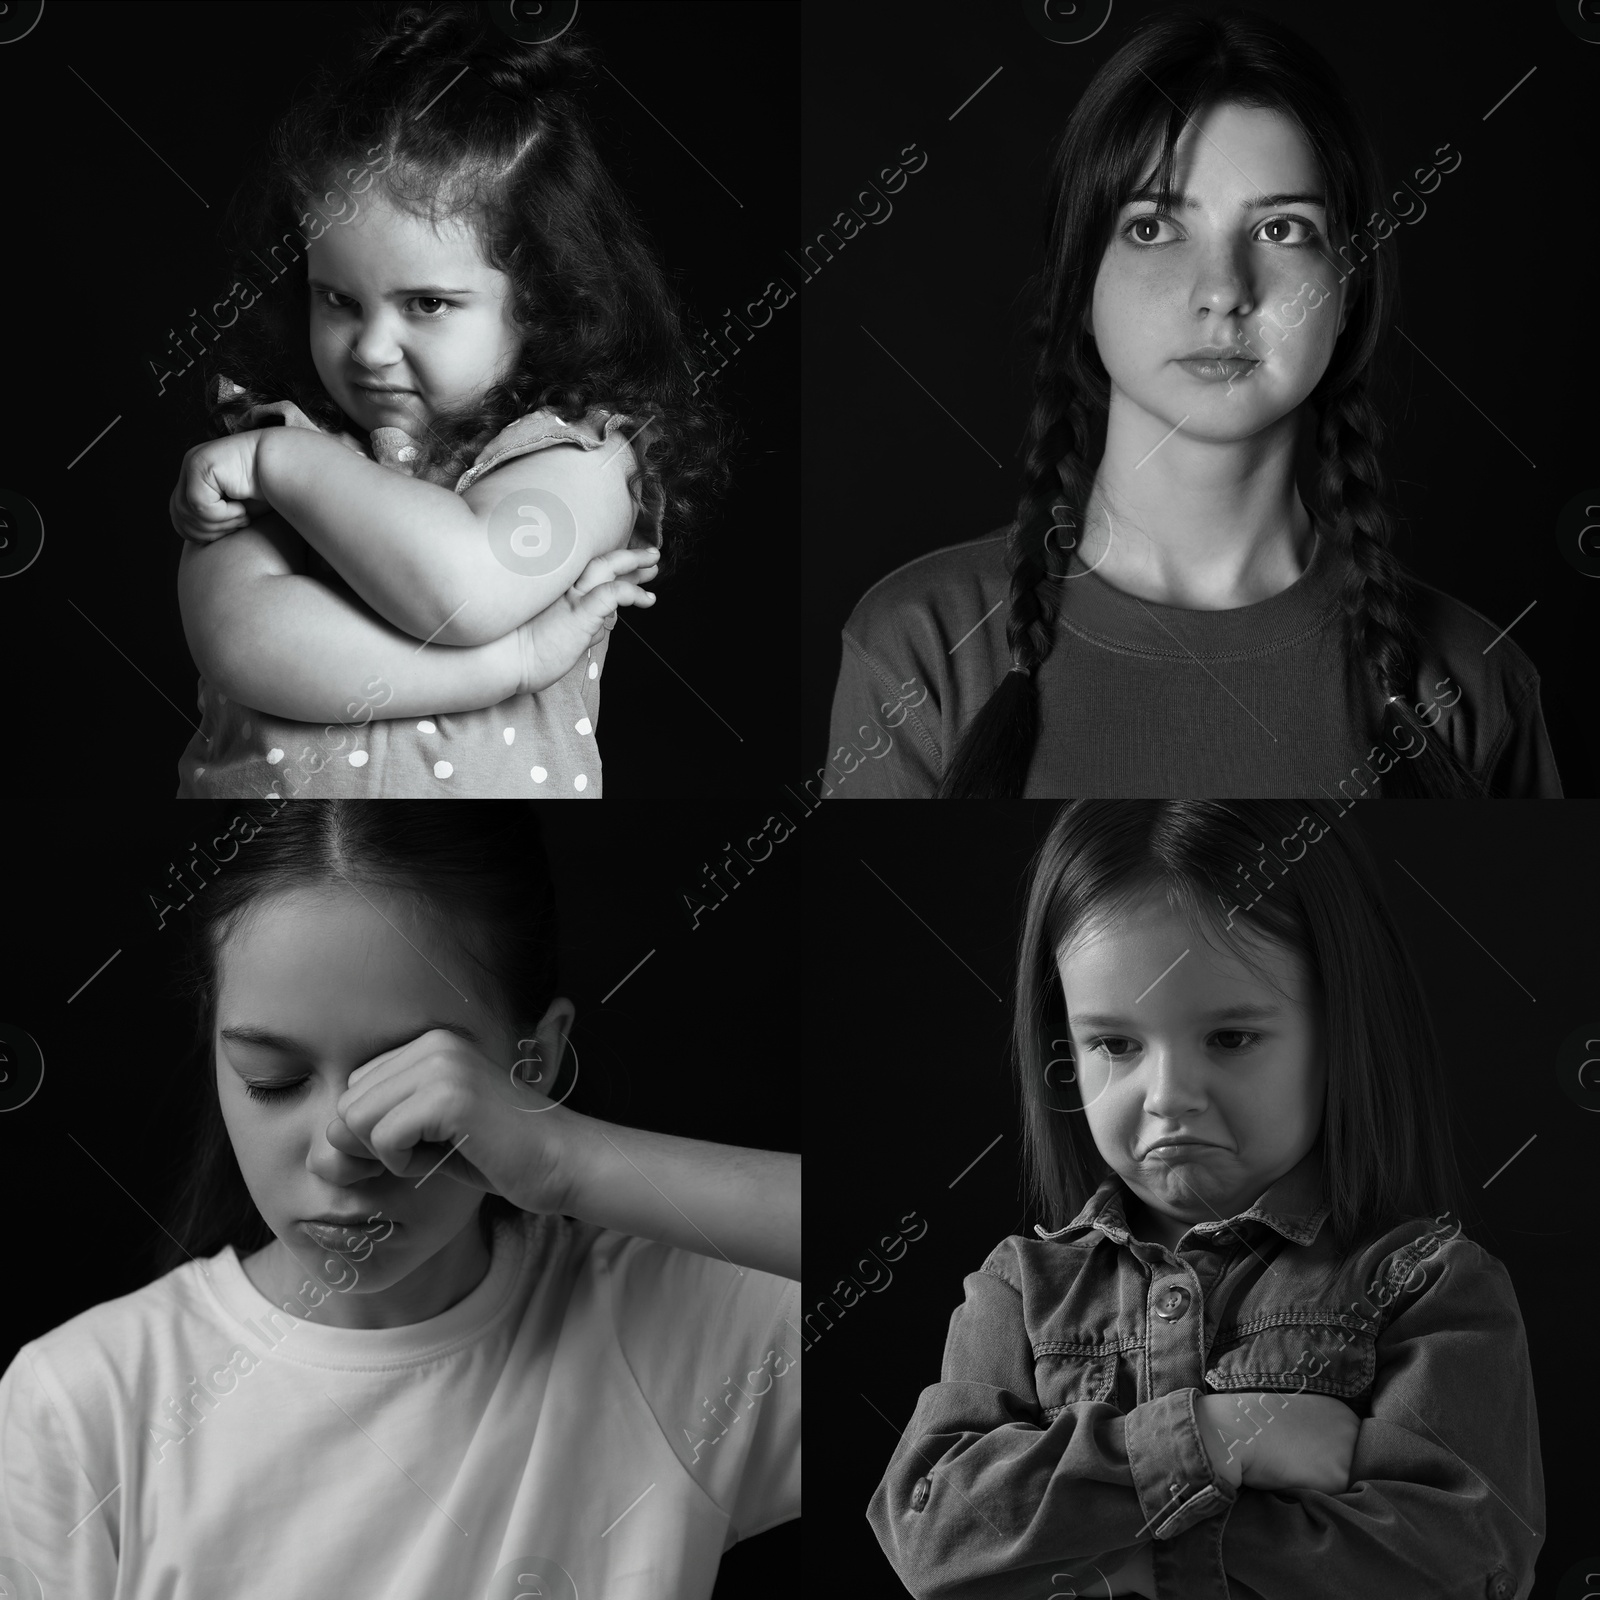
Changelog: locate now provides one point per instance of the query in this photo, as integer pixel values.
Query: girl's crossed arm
(270, 636)
(448, 568)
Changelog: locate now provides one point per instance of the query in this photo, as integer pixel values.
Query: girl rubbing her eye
(1255, 1354)
(452, 435)
(1197, 594)
(420, 1328)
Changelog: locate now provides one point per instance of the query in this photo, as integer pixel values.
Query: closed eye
(270, 1092)
(1246, 1039)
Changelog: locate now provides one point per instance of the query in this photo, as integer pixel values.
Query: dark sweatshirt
(1145, 700)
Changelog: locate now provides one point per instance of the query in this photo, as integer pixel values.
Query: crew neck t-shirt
(1140, 700)
(601, 1415)
(530, 746)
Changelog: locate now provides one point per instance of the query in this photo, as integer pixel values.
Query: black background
(911, 928)
(686, 1045)
(109, 249)
(888, 475)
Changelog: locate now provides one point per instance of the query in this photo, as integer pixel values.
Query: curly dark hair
(1174, 66)
(510, 149)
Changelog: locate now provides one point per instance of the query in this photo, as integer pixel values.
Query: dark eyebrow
(427, 288)
(1238, 1013)
(1255, 202)
(245, 1033)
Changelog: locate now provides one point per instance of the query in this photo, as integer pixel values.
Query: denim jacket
(1063, 1432)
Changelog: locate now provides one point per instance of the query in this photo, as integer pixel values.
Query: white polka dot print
(543, 744)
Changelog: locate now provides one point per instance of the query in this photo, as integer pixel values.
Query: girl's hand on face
(216, 492)
(552, 642)
(438, 1106)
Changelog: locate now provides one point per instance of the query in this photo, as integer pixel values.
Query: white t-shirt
(601, 1417)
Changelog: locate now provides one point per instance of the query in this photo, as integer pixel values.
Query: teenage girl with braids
(1167, 616)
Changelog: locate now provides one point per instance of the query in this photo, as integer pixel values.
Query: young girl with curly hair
(449, 443)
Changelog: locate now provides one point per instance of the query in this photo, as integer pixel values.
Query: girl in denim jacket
(1255, 1356)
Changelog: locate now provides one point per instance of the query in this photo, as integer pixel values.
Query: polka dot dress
(532, 745)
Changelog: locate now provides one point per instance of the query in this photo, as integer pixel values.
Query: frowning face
(400, 305)
(1174, 1037)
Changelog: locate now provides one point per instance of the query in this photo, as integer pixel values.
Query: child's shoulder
(95, 1353)
(541, 429)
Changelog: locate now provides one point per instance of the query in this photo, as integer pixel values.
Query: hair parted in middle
(1175, 67)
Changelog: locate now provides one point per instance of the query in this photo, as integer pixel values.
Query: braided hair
(1174, 66)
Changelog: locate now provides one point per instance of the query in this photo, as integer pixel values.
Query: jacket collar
(1293, 1207)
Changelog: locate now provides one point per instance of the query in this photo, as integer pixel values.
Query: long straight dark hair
(1175, 66)
(479, 873)
(1388, 1153)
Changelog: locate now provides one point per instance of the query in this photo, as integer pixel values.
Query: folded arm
(271, 637)
(453, 569)
(1011, 1499)
(1446, 1485)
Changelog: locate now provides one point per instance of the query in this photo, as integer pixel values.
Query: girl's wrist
(268, 464)
(511, 651)
(1224, 1440)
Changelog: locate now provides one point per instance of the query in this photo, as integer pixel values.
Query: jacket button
(1500, 1585)
(1171, 1302)
(919, 1494)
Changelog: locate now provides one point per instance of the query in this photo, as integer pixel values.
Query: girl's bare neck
(1196, 567)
